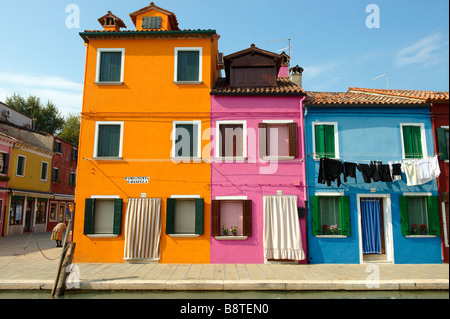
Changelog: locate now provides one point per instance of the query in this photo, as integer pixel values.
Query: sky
(340, 44)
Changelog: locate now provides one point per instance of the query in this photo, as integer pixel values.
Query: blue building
(370, 215)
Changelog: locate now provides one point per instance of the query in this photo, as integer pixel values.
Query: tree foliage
(71, 130)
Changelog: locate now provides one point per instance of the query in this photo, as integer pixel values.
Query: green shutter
(330, 151)
(108, 141)
(404, 215)
(89, 208)
(315, 220)
(344, 215)
(170, 216)
(319, 140)
(110, 66)
(118, 206)
(434, 223)
(193, 144)
(442, 141)
(199, 215)
(412, 140)
(188, 66)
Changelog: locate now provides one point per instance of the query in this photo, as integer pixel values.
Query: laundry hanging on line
(417, 171)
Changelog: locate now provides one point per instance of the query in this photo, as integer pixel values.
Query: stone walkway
(35, 268)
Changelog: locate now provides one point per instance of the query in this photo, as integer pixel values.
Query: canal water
(229, 295)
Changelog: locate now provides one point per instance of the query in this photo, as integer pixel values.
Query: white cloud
(311, 72)
(65, 94)
(426, 52)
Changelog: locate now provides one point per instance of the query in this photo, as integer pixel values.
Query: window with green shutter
(325, 144)
(443, 135)
(419, 215)
(108, 138)
(330, 215)
(186, 139)
(110, 66)
(185, 216)
(188, 65)
(103, 216)
(20, 170)
(412, 141)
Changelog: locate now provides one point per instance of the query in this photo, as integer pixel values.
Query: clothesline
(417, 171)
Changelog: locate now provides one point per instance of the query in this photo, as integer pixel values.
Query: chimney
(296, 75)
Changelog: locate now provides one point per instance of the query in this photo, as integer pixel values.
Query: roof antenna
(289, 47)
(387, 81)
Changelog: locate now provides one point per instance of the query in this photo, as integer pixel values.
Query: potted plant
(325, 229)
(234, 230)
(335, 230)
(423, 229)
(414, 229)
(224, 230)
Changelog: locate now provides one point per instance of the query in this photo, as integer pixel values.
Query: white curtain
(143, 228)
(282, 237)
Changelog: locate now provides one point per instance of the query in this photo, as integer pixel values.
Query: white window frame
(336, 138)
(97, 126)
(24, 165)
(184, 197)
(107, 197)
(99, 57)
(197, 157)
(447, 128)
(274, 122)
(200, 66)
(9, 155)
(422, 136)
(217, 150)
(46, 172)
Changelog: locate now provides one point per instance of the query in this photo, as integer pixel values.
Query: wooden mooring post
(66, 258)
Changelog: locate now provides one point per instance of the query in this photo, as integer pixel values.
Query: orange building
(143, 182)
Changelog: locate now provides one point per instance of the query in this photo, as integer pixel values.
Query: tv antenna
(289, 47)
(387, 81)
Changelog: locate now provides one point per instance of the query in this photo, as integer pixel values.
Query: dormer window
(151, 23)
(109, 21)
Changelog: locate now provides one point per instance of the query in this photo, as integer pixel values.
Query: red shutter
(293, 139)
(215, 218)
(247, 218)
(262, 139)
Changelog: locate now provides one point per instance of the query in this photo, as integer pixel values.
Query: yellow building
(29, 188)
(143, 182)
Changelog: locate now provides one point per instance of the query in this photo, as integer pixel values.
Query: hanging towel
(410, 169)
(330, 170)
(427, 169)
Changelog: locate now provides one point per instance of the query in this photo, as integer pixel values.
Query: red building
(63, 175)
(440, 122)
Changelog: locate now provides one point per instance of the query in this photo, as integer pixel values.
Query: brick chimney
(296, 75)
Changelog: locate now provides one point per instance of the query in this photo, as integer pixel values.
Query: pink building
(258, 172)
(5, 151)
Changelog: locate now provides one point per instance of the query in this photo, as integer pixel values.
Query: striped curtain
(282, 237)
(371, 226)
(143, 229)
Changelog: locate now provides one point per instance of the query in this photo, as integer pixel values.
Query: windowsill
(331, 236)
(107, 158)
(188, 82)
(278, 158)
(333, 158)
(187, 159)
(420, 236)
(231, 237)
(108, 83)
(183, 235)
(102, 236)
(230, 159)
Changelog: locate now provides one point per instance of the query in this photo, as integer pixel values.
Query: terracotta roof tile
(284, 87)
(355, 98)
(426, 96)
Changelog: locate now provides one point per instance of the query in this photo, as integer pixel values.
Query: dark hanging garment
(375, 170)
(330, 170)
(385, 173)
(349, 170)
(397, 172)
(365, 170)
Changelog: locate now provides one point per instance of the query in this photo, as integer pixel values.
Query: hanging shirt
(410, 169)
(350, 170)
(396, 171)
(330, 170)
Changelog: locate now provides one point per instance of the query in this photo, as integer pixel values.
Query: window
(188, 66)
(442, 134)
(41, 211)
(278, 139)
(58, 147)
(325, 140)
(413, 139)
(108, 139)
(185, 216)
(231, 141)
(44, 169)
(330, 215)
(231, 213)
(20, 170)
(186, 139)
(62, 209)
(74, 153)
(103, 216)
(4, 160)
(16, 210)
(52, 212)
(420, 215)
(55, 175)
(72, 179)
(151, 23)
(110, 66)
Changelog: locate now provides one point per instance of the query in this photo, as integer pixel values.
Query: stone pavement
(36, 266)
